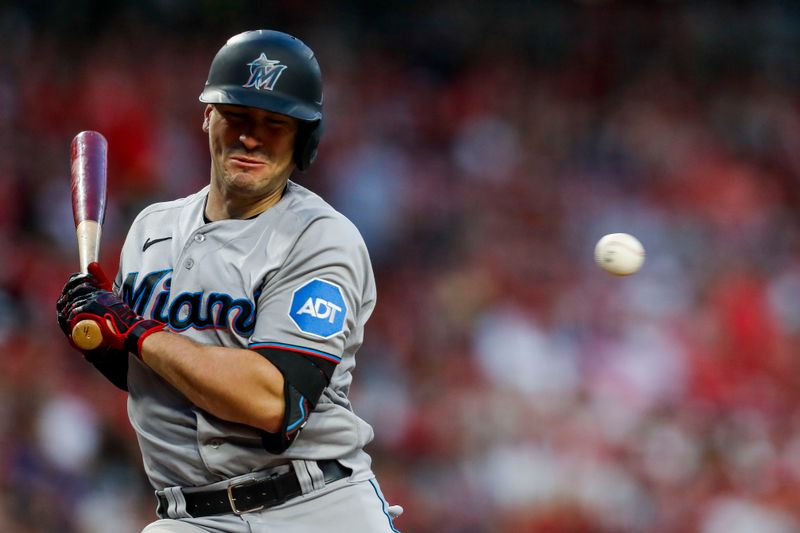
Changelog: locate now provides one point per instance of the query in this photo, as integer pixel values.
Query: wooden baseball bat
(89, 156)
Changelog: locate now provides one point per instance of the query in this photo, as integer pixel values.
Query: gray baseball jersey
(296, 277)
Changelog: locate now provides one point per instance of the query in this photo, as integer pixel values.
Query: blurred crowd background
(482, 148)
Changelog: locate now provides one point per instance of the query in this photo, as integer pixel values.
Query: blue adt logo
(318, 308)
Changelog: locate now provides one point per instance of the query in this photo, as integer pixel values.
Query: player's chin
(253, 178)
(243, 181)
(237, 173)
(247, 183)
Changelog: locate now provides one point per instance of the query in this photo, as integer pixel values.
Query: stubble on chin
(250, 184)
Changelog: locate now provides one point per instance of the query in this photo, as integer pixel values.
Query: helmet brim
(233, 95)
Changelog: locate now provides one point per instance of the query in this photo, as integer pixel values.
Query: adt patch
(318, 308)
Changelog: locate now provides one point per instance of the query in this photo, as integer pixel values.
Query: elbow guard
(113, 364)
(304, 377)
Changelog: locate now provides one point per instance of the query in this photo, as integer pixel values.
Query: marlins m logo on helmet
(264, 72)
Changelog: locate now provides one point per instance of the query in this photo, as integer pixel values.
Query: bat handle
(87, 335)
(88, 234)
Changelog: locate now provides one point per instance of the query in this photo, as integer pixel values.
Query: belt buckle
(232, 499)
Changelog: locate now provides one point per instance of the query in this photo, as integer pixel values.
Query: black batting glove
(122, 329)
(111, 363)
(78, 285)
(89, 296)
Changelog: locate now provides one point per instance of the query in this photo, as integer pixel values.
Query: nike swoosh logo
(148, 243)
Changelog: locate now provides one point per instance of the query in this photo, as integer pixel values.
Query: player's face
(251, 149)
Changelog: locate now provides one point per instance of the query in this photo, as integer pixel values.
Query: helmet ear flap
(305, 150)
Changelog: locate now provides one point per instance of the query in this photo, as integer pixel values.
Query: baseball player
(235, 317)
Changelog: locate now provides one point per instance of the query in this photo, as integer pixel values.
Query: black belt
(249, 494)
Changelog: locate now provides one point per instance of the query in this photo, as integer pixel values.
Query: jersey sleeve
(312, 303)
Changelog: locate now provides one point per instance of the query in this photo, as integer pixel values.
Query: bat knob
(87, 335)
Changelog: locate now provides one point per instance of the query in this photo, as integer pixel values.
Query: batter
(235, 317)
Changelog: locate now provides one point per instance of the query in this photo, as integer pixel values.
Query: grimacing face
(251, 149)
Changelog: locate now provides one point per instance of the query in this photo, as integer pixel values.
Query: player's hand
(79, 284)
(89, 296)
(113, 364)
(122, 329)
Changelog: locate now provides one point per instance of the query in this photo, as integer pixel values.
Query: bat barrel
(89, 157)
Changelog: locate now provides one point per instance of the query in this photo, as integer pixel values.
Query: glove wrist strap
(140, 331)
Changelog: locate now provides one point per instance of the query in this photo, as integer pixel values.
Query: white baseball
(620, 254)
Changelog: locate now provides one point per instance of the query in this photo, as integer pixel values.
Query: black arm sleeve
(113, 364)
(305, 377)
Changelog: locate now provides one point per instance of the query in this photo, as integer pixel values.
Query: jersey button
(199, 237)
(189, 263)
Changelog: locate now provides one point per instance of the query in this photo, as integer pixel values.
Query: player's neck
(222, 206)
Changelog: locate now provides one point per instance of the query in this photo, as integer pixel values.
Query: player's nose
(249, 141)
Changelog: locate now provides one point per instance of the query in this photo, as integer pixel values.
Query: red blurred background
(482, 148)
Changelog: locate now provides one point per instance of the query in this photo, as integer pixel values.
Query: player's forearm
(233, 384)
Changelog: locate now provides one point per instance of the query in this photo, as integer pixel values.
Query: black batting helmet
(274, 71)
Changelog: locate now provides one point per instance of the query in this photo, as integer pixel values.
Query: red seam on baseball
(627, 247)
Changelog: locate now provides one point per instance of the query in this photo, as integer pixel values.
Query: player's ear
(206, 115)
